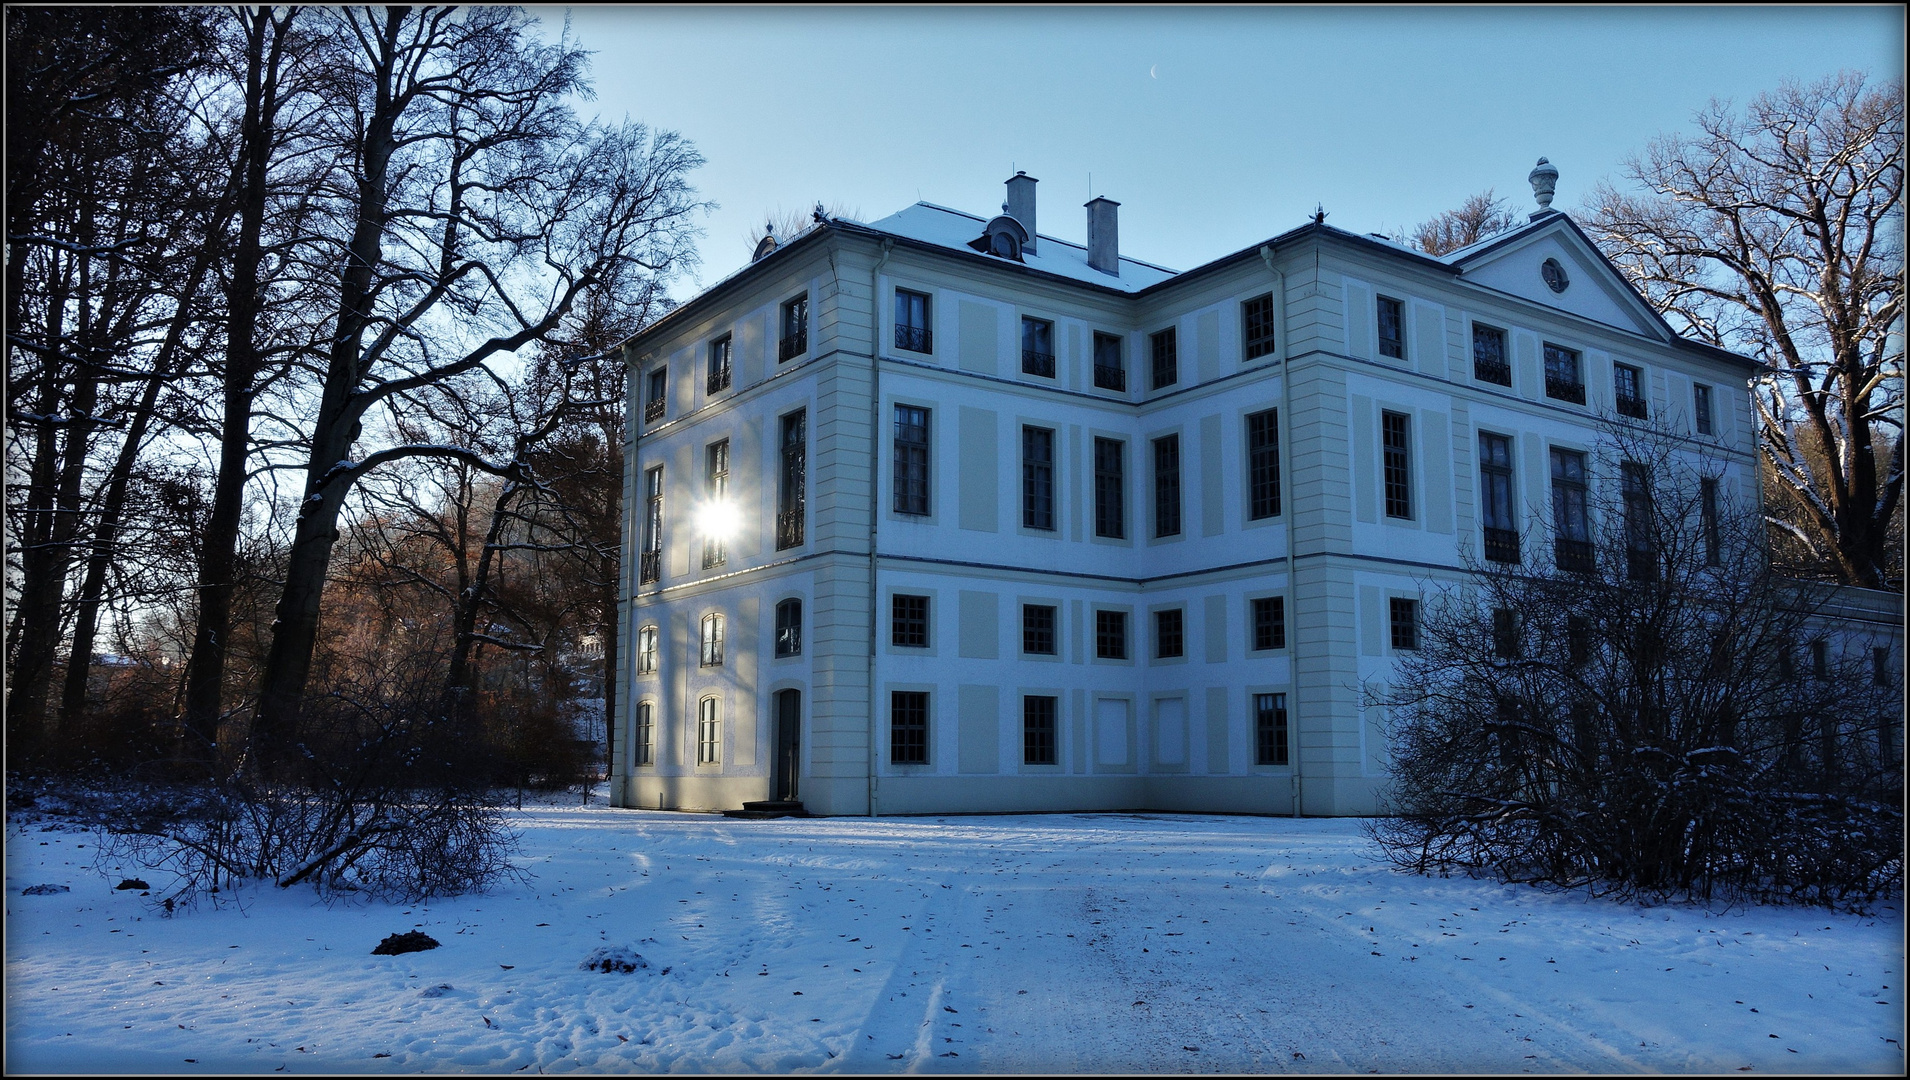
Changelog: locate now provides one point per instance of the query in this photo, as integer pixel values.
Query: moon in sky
(1154, 72)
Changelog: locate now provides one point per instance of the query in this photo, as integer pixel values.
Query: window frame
(1040, 726)
(1402, 623)
(1571, 510)
(716, 489)
(1257, 331)
(1396, 463)
(1702, 417)
(1629, 400)
(1263, 464)
(710, 638)
(912, 474)
(788, 627)
(1273, 732)
(709, 731)
(643, 751)
(912, 736)
(1498, 497)
(1708, 521)
(1164, 353)
(1109, 376)
(1110, 632)
(911, 624)
(650, 554)
(1560, 362)
(647, 649)
(1167, 485)
(721, 350)
(792, 479)
(1035, 360)
(1267, 621)
(657, 394)
(1170, 636)
(1496, 370)
(1394, 347)
(909, 335)
(1037, 478)
(794, 324)
(1110, 488)
(1030, 632)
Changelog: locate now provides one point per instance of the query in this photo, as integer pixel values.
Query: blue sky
(1213, 127)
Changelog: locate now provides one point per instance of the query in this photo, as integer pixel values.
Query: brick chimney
(1104, 240)
(1021, 205)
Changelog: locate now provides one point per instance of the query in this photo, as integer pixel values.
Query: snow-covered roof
(954, 229)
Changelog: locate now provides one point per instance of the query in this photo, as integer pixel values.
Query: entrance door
(788, 743)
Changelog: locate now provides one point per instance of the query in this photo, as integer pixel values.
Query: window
(1038, 629)
(1403, 617)
(911, 459)
(709, 733)
(1495, 491)
(1269, 623)
(650, 559)
(1505, 633)
(647, 651)
(1880, 665)
(1168, 633)
(1820, 659)
(1167, 486)
(1571, 522)
(1037, 347)
(789, 628)
(795, 336)
(1562, 380)
(644, 752)
(1392, 340)
(1628, 393)
(1488, 356)
(712, 651)
(1263, 464)
(1110, 635)
(1037, 478)
(1786, 662)
(792, 484)
(908, 621)
(1635, 490)
(908, 727)
(1037, 730)
(1110, 516)
(1109, 373)
(1701, 407)
(1708, 519)
(1166, 358)
(1270, 729)
(719, 365)
(912, 322)
(1578, 639)
(716, 488)
(658, 395)
(1396, 446)
(1256, 317)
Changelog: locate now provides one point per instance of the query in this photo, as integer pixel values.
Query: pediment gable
(1515, 263)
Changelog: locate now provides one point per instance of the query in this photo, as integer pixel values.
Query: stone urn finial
(1545, 179)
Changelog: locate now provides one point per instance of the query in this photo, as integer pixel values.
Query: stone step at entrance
(769, 808)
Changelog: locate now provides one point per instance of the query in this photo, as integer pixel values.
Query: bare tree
(1778, 231)
(1479, 217)
(787, 225)
(476, 213)
(1666, 717)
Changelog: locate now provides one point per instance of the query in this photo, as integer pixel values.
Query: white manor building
(940, 514)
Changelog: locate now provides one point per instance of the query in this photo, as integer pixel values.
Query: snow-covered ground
(1108, 942)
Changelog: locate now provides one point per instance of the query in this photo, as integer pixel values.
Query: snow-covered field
(1109, 942)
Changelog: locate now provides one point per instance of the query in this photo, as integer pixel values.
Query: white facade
(1141, 731)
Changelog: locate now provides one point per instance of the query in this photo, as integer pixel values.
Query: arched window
(789, 628)
(647, 651)
(712, 654)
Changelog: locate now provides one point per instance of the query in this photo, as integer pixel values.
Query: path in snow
(1156, 943)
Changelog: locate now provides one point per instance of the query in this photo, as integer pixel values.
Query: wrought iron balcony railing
(1502, 545)
(1035, 362)
(793, 345)
(649, 567)
(1564, 390)
(788, 529)
(1492, 371)
(652, 410)
(914, 338)
(1574, 556)
(719, 380)
(1633, 407)
(1110, 377)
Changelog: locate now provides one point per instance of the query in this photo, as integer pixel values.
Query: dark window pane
(1628, 393)
(716, 488)
(1263, 464)
(1392, 340)
(1037, 730)
(792, 486)
(1505, 634)
(1395, 431)
(1562, 380)
(1701, 407)
(908, 727)
(912, 322)
(1166, 358)
(911, 459)
(1495, 490)
(1110, 635)
(795, 329)
(1110, 513)
(1037, 478)
(1270, 729)
(1489, 362)
(1037, 347)
(1038, 629)
(1167, 633)
(1167, 486)
(789, 628)
(1269, 623)
(1571, 525)
(1256, 315)
(908, 621)
(1109, 373)
(1403, 615)
(719, 376)
(1708, 520)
